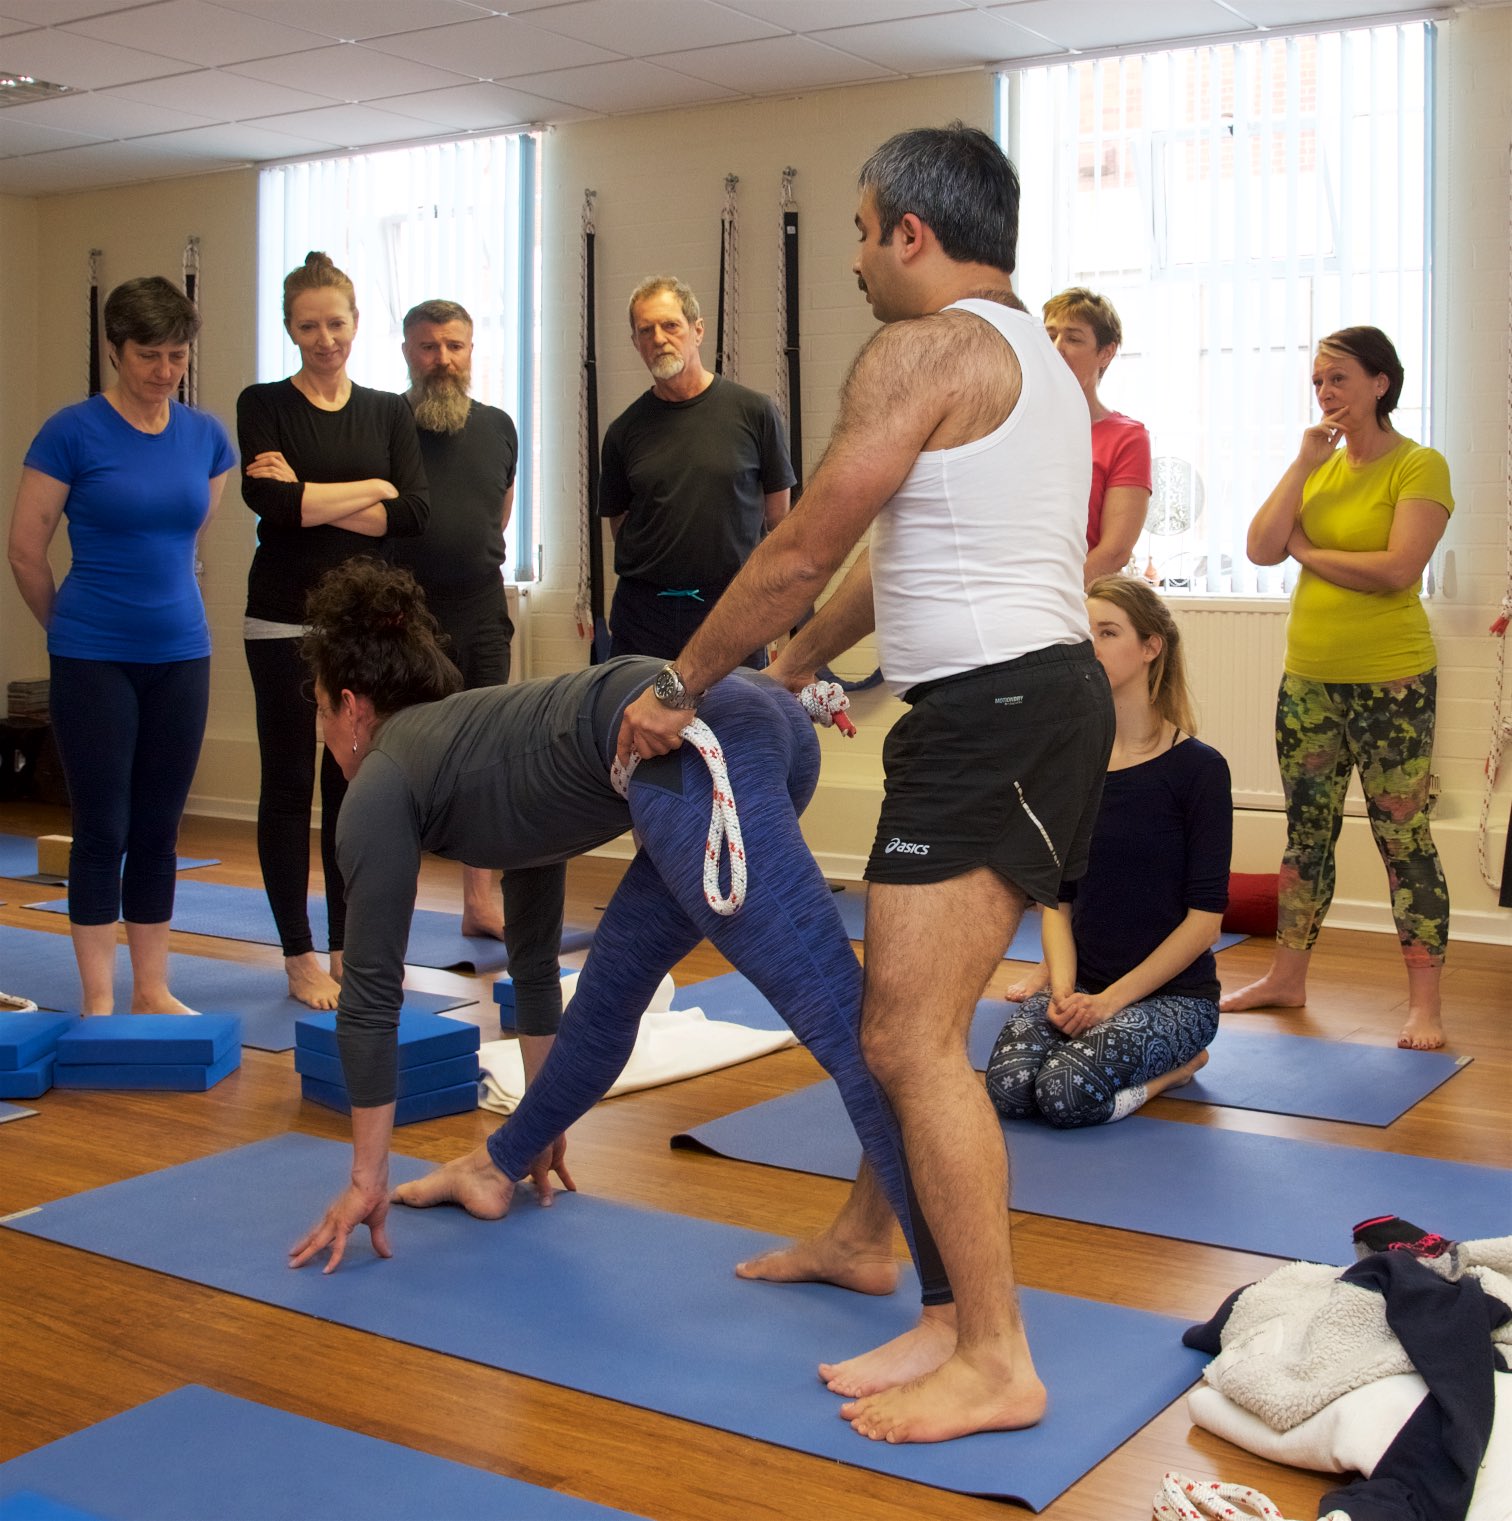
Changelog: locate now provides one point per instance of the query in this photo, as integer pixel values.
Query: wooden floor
(82, 1337)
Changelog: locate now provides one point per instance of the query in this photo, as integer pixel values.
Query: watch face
(667, 688)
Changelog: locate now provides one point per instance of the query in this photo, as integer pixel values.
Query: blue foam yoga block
(418, 1106)
(156, 1040)
(31, 1081)
(423, 1079)
(423, 1038)
(175, 1077)
(26, 1505)
(26, 1038)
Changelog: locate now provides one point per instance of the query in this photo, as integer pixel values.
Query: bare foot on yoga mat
(1177, 1077)
(824, 1259)
(472, 1182)
(159, 1001)
(905, 1358)
(491, 928)
(1424, 1031)
(980, 1393)
(1270, 992)
(310, 983)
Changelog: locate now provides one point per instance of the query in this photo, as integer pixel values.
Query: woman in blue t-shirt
(137, 475)
(1126, 1002)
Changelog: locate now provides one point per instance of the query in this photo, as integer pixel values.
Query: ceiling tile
(346, 126)
(69, 59)
(197, 31)
(1308, 12)
(18, 137)
(56, 12)
(105, 116)
(773, 65)
(627, 85)
(89, 167)
(648, 25)
(355, 20)
(235, 142)
(221, 96)
(498, 48)
(478, 107)
(8, 25)
(928, 43)
(811, 15)
(1116, 23)
(351, 72)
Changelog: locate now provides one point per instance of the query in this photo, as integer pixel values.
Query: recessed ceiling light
(22, 89)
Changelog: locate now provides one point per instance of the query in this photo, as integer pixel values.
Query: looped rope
(1182, 1499)
(825, 702)
(727, 359)
(582, 603)
(189, 386)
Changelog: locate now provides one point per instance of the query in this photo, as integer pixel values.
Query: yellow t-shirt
(1333, 633)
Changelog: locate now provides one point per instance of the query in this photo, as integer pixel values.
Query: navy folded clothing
(151, 1040)
(423, 1038)
(423, 1079)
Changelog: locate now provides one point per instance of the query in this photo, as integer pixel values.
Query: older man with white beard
(470, 451)
(696, 471)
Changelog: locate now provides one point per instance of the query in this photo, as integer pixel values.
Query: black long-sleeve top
(371, 437)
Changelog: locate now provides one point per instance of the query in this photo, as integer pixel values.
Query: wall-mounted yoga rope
(589, 605)
(789, 378)
(95, 255)
(189, 385)
(727, 335)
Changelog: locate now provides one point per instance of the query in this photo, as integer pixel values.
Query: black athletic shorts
(1001, 766)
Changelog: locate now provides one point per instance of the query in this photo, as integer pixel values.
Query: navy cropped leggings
(787, 939)
(129, 735)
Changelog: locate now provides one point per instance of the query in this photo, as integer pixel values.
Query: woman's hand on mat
(1078, 1012)
(355, 1206)
(1035, 981)
(552, 1160)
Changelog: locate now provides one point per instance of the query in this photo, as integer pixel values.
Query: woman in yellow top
(1359, 687)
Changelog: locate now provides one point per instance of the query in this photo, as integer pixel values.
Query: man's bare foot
(489, 926)
(959, 1397)
(823, 1259)
(907, 1357)
(1270, 992)
(158, 1001)
(310, 983)
(473, 1182)
(1423, 1031)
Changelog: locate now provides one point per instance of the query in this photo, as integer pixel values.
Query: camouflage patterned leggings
(1324, 730)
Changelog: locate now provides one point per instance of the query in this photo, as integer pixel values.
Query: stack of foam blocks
(504, 996)
(28, 1046)
(182, 1053)
(438, 1066)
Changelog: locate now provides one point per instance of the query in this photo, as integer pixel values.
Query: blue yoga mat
(1252, 1193)
(196, 1453)
(18, 860)
(242, 913)
(737, 1356)
(14, 1112)
(41, 966)
(732, 998)
(1025, 945)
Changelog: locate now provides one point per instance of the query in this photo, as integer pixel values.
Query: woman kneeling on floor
(1126, 1001)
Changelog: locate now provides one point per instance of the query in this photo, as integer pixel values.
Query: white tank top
(978, 557)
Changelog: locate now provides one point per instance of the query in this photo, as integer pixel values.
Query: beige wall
(660, 179)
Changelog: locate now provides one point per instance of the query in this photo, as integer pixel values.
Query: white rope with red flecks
(825, 702)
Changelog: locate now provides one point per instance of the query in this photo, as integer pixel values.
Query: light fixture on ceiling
(22, 89)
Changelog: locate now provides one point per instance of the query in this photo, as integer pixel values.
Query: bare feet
(310, 983)
(1271, 992)
(824, 1259)
(1177, 1077)
(158, 1001)
(907, 1357)
(961, 1396)
(492, 927)
(473, 1182)
(482, 903)
(1424, 1031)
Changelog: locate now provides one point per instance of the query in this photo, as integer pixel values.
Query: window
(1236, 203)
(450, 220)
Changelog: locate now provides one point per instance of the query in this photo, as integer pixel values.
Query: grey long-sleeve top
(510, 778)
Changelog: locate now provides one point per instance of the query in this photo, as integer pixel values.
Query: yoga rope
(189, 385)
(727, 340)
(824, 703)
(1182, 1499)
(588, 606)
(95, 255)
(789, 397)
(1501, 719)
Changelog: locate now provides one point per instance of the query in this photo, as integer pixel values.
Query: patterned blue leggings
(1035, 1070)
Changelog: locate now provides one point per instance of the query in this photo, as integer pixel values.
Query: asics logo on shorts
(905, 847)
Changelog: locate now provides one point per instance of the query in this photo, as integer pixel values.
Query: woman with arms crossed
(137, 476)
(1126, 1002)
(1360, 686)
(331, 469)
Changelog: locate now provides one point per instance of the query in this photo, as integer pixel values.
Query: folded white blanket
(673, 1044)
(1350, 1434)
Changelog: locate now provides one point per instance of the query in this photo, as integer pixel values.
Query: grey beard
(443, 405)
(668, 365)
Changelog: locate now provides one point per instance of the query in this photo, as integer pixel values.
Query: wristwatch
(669, 691)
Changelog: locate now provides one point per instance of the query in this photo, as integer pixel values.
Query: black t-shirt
(1161, 846)
(469, 472)
(691, 479)
(371, 438)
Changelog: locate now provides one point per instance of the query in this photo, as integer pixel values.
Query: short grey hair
(150, 311)
(654, 285)
(439, 312)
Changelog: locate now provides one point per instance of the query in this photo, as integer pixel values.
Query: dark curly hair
(369, 632)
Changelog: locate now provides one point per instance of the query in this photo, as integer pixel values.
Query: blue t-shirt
(1161, 846)
(135, 503)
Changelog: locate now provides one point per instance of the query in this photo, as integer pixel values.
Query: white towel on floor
(672, 1044)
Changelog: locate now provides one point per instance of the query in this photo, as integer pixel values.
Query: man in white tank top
(963, 444)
